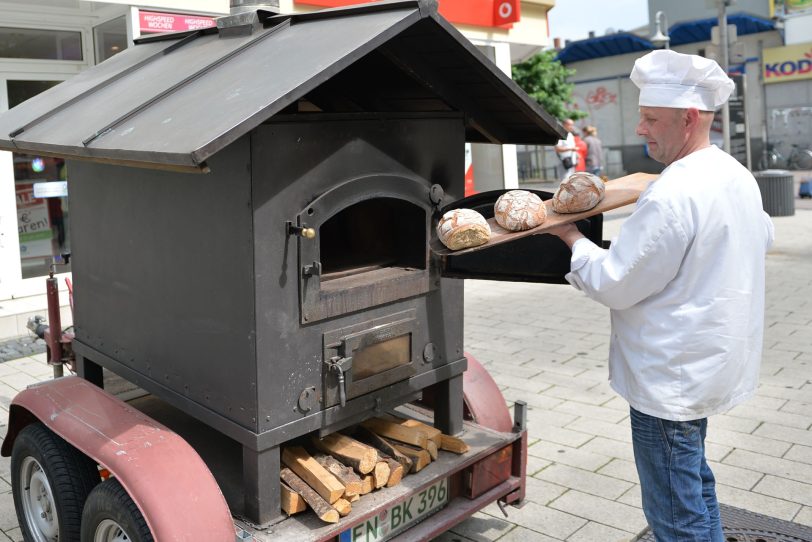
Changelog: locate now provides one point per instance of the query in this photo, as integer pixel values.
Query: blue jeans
(677, 485)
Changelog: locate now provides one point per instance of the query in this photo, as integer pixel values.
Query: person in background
(684, 282)
(581, 149)
(594, 154)
(566, 150)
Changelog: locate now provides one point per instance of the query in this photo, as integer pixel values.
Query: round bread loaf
(519, 210)
(579, 192)
(463, 228)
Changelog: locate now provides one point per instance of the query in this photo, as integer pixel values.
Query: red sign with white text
(153, 21)
(489, 13)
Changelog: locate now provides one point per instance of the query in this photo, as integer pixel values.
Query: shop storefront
(45, 42)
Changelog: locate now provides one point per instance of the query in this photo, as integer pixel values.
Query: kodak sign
(489, 13)
(790, 63)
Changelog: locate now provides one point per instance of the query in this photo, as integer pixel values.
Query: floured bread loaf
(519, 210)
(463, 228)
(579, 192)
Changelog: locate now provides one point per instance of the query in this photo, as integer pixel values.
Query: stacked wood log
(343, 468)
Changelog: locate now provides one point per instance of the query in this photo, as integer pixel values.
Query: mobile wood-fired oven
(251, 212)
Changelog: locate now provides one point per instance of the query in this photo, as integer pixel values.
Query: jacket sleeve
(643, 259)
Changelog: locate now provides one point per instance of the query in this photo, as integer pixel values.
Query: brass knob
(309, 233)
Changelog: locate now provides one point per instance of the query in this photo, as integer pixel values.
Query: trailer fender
(483, 401)
(168, 481)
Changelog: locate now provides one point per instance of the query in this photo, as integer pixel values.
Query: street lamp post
(722, 7)
(660, 38)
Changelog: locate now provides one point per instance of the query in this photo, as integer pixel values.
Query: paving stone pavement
(548, 345)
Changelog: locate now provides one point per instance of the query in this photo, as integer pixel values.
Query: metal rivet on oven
(428, 353)
(310, 211)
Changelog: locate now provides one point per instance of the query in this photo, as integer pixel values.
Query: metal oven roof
(174, 100)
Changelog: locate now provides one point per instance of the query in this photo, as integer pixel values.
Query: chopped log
(431, 448)
(322, 508)
(354, 498)
(292, 502)
(395, 431)
(431, 432)
(350, 480)
(453, 444)
(367, 483)
(420, 458)
(395, 472)
(381, 474)
(307, 468)
(343, 507)
(349, 451)
(383, 446)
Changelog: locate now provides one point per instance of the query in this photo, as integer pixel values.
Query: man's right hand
(566, 232)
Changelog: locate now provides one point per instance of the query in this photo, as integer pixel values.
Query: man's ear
(691, 117)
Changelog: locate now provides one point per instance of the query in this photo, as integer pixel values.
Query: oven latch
(338, 366)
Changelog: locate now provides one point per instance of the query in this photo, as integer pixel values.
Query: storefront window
(110, 38)
(42, 223)
(34, 43)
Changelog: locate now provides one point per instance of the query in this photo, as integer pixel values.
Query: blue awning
(700, 30)
(614, 44)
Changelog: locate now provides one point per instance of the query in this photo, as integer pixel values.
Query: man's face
(665, 132)
(568, 125)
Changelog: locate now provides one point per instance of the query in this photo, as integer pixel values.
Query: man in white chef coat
(685, 284)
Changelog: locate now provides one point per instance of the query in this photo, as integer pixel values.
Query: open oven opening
(380, 238)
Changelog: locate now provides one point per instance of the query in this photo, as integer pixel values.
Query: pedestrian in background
(566, 150)
(594, 153)
(581, 149)
(684, 281)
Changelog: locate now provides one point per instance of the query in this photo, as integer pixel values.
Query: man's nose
(640, 130)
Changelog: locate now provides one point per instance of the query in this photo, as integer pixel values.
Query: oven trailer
(252, 208)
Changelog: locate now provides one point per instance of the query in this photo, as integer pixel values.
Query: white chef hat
(670, 79)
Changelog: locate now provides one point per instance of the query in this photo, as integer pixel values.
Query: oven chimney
(244, 17)
(240, 6)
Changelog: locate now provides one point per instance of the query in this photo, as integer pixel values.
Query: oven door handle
(339, 366)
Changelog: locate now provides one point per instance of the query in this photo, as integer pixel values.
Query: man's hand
(567, 232)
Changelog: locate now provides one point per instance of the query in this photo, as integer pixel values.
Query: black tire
(803, 159)
(111, 514)
(50, 481)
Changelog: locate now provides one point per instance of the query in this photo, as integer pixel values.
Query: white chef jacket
(685, 284)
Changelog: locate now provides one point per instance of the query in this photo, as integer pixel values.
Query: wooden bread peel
(619, 192)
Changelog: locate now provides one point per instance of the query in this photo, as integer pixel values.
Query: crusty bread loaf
(519, 210)
(579, 192)
(463, 228)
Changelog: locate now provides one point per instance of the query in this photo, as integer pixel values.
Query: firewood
(300, 462)
(322, 508)
(349, 451)
(354, 498)
(453, 444)
(343, 507)
(420, 458)
(381, 474)
(292, 502)
(431, 432)
(395, 472)
(345, 474)
(383, 446)
(431, 448)
(367, 483)
(395, 431)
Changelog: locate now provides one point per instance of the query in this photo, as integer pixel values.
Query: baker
(684, 282)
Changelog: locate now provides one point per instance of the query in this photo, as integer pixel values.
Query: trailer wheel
(111, 516)
(50, 481)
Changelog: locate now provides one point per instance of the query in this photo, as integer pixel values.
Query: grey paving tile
(732, 423)
(8, 517)
(538, 421)
(609, 447)
(585, 481)
(632, 497)
(804, 516)
(592, 411)
(788, 490)
(618, 515)
(622, 469)
(783, 468)
(564, 436)
(755, 502)
(521, 534)
(784, 434)
(741, 478)
(773, 416)
(580, 396)
(542, 492)
(616, 431)
(798, 407)
(596, 532)
(573, 457)
(481, 528)
(745, 441)
(799, 453)
(546, 520)
(535, 464)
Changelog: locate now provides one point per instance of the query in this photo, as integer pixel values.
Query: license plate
(399, 517)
